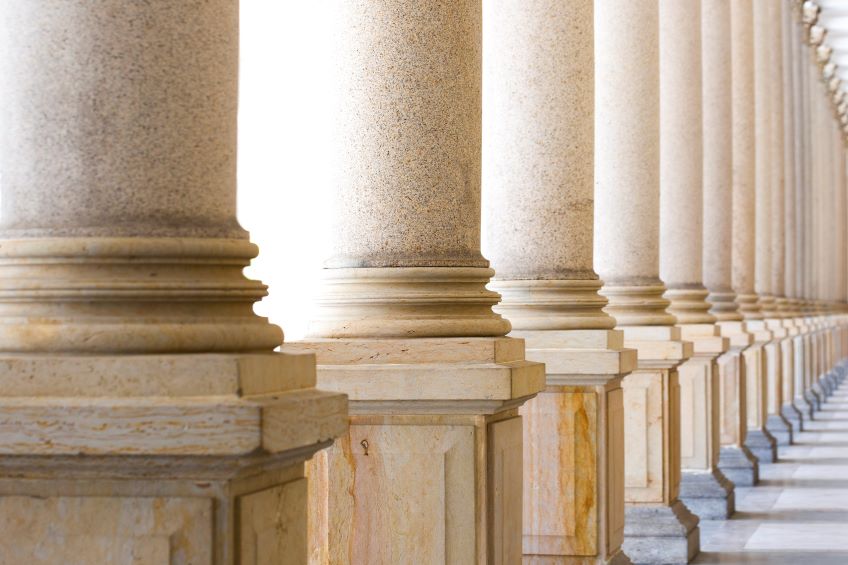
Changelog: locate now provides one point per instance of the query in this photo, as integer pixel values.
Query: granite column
(735, 460)
(758, 439)
(703, 488)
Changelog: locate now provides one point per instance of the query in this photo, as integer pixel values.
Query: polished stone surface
(799, 511)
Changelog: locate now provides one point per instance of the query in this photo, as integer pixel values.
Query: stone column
(145, 412)
(431, 469)
(538, 221)
(769, 207)
(703, 488)
(658, 526)
(758, 439)
(796, 204)
(790, 311)
(736, 461)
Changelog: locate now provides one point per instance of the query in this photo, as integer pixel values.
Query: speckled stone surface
(744, 166)
(718, 158)
(763, 180)
(408, 176)
(627, 132)
(119, 120)
(538, 150)
(792, 135)
(681, 144)
(777, 144)
(627, 161)
(681, 161)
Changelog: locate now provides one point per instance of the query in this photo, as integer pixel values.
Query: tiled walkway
(798, 514)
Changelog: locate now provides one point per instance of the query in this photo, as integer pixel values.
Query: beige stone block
(651, 424)
(409, 489)
(70, 530)
(431, 468)
(733, 421)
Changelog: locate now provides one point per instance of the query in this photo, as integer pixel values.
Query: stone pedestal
(574, 448)
(735, 459)
(703, 487)
(658, 527)
(775, 350)
(151, 456)
(759, 440)
(432, 463)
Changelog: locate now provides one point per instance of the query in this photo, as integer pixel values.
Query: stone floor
(798, 514)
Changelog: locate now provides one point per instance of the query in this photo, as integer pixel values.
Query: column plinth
(143, 392)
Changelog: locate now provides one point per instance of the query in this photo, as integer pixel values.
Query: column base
(739, 465)
(708, 494)
(813, 399)
(802, 404)
(661, 534)
(794, 416)
(762, 444)
(829, 383)
(779, 428)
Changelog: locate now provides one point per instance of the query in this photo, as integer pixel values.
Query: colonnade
(658, 301)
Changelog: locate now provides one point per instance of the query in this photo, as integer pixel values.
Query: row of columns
(663, 203)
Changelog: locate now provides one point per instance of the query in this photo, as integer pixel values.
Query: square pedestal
(574, 448)
(736, 462)
(159, 459)
(431, 468)
(658, 528)
(703, 488)
(758, 440)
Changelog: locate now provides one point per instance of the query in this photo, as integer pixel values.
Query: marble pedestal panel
(574, 448)
(777, 425)
(788, 410)
(703, 488)
(657, 526)
(159, 458)
(758, 438)
(431, 468)
(736, 461)
(800, 344)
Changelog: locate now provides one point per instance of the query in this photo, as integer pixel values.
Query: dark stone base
(708, 495)
(739, 465)
(813, 400)
(620, 558)
(780, 429)
(794, 416)
(661, 535)
(762, 445)
(802, 404)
